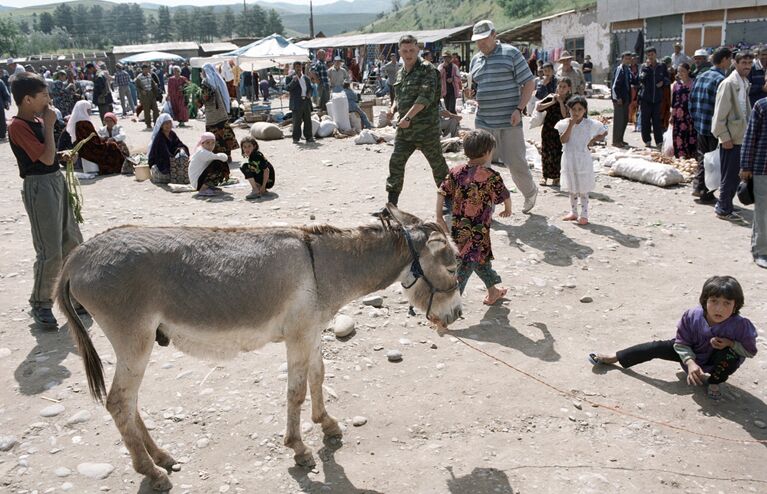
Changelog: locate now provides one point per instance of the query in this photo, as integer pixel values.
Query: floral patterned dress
(551, 144)
(685, 138)
(475, 190)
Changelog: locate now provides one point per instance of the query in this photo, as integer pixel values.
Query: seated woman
(207, 169)
(113, 132)
(163, 146)
(107, 155)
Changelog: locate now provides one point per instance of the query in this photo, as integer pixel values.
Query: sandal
(595, 359)
(713, 392)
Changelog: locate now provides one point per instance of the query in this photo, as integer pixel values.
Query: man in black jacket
(652, 77)
(300, 89)
(621, 95)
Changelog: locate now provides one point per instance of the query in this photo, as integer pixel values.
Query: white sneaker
(530, 202)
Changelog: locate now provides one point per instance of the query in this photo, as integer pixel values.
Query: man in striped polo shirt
(504, 85)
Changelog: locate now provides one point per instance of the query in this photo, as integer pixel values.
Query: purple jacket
(693, 331)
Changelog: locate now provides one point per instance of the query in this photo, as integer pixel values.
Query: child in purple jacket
(711, 338)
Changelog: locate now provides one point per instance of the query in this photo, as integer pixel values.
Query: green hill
(439, 14)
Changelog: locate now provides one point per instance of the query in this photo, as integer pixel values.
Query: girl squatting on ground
(577, 133)
(712, 338)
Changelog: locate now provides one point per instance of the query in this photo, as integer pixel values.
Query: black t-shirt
(27, 138)
(587, 67)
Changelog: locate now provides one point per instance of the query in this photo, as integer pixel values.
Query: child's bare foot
(583, 221)
(599, 359)
(494, 295)
(570, 217)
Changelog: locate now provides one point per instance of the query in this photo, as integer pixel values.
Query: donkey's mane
(365, 233)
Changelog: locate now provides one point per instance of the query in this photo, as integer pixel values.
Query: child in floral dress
(475, 189)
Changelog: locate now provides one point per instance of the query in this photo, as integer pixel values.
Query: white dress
(577, 176)
(200, 161)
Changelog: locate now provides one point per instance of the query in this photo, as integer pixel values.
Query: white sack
(647, 172)
(265, 131)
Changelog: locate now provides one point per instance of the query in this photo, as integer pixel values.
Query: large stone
(373, 301)
(95, 471)
(343, 326)
(394, 355)
(359, 421)
(7, 443)
(52, 410)
(79, 417)
(62, 472)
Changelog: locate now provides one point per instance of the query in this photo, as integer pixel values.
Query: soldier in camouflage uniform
(417, 99)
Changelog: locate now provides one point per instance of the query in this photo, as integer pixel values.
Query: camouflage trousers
(403, 149)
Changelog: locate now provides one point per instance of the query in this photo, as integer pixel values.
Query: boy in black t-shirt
(46, 198)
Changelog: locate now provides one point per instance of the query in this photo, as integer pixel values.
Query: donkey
(178, 284)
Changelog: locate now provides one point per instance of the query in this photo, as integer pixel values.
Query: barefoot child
(46, 197)
(475, 189)
(207, 169)
(577, 133)
(711, 338)
(257, 169)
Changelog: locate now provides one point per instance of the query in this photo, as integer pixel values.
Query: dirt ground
(447, 418)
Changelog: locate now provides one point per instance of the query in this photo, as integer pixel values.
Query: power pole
(311, 20)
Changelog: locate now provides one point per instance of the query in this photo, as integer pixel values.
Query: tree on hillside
(82, 27)
(273, 23)
(9, 33)
(226, 23)
(46, 22)
(120, 15)
(252, 21)
(523, 8)
(183, 28)
(136, 22)
(98, 23)
(24, 27)
(35, 22)
(63, 16)
(164, 27)
(151, 26)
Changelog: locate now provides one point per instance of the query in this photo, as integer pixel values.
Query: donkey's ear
(401, 217)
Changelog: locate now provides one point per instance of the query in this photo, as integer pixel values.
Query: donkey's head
(429, 279)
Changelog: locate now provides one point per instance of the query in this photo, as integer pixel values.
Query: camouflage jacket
(419, 86)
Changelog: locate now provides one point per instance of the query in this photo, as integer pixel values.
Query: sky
(170, 3)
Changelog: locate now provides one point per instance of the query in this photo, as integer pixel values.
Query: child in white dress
(206, 168)
(577, 133)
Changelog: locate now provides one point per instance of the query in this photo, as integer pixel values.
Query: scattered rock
(394, 355)
(373, 301)
(343, 326)
(4, 352)
(95, 471)
(203, 442)
(62, 472)
(79, 417)
(7, 443)
(359, 421)
(378, 348)
(578, 405)
(760, 424)
(67, 486)
(52, 410)
(586, 299)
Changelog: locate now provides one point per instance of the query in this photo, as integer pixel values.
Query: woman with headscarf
(113, 132)
(63, 93)
(163, 146)
(207, 169)
(107, 155)
(176, 96)
(215, 99)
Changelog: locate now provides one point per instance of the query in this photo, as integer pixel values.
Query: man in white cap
(337, 75)
(566, 69)
(502, 85)
(701, 64)
(14, 69)
(679, 56)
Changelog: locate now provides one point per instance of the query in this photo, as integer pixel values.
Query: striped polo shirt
(499, 77)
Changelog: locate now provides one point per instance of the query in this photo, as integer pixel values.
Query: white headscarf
(217, 82)
(164, 117)
(80, 113)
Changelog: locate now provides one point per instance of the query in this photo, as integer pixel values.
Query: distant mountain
(339, 7)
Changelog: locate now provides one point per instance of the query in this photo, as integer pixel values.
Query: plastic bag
(366, 137)
(537, 118)
(712, 169)
(668, 142)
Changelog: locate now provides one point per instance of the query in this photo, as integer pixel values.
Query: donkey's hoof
(160, 481)
(333, 433)
(305, 460)
(164, 460)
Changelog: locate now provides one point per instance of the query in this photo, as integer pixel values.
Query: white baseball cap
(701, 52)
(482, 30)
(9, 61)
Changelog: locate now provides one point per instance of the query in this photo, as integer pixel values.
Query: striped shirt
(703, 98)
(499, 77)
(122, 78)
(753, 152)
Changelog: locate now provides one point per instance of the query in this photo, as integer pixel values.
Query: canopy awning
(151, 56)
(431, 36)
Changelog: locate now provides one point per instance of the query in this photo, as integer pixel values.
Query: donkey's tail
(93, 367)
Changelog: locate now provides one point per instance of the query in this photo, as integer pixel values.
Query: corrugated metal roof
(217, 47)
(182, 45)
(381, 38)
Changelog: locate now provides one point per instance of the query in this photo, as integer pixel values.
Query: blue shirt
(756, 78)
(499, 77)
(621, 88)
(703, 99)
(753, 152)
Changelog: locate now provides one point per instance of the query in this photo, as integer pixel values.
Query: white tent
(268, 52)
(151, 56)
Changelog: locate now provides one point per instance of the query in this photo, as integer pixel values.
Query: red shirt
(27, 139)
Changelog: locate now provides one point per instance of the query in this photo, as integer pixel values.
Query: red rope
(614, 409)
